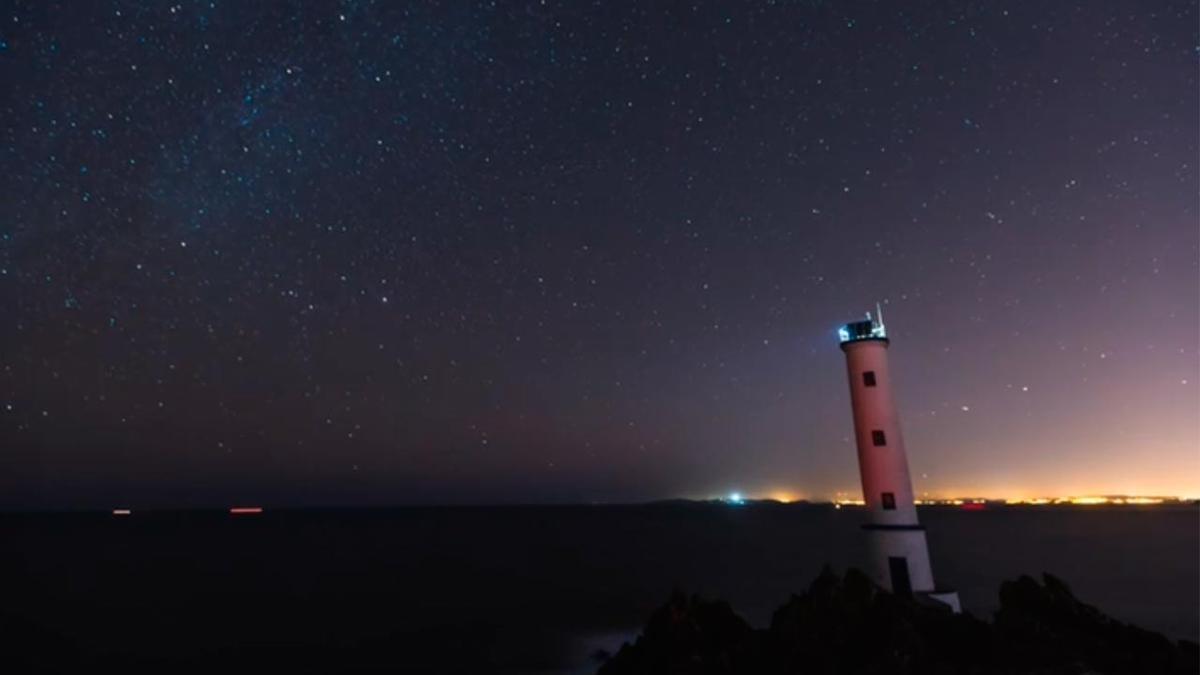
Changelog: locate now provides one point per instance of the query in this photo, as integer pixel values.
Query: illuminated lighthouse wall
(899, 555)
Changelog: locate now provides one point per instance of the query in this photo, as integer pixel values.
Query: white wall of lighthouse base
(909, 544)
(948, 598)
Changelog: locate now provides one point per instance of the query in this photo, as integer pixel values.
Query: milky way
(318, 253)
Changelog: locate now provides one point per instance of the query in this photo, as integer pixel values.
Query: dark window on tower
(869, 378)
(898, 567)
(878, 438)
(889, 501)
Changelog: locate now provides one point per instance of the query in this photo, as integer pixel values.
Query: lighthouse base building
(899, 555)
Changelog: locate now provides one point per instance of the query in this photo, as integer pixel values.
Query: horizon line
(127, 509)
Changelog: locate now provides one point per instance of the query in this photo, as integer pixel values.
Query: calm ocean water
(514, 589)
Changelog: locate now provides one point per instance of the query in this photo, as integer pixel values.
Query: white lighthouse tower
(899, 555)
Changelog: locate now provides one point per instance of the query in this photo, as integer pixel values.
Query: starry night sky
(375, 252)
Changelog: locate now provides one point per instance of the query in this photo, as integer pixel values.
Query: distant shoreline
(132, 510)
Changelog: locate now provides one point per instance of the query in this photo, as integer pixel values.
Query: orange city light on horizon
(1073, 500)
(245, 510)
(1094, 500)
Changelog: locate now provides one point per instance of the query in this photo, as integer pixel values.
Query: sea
(514, 589)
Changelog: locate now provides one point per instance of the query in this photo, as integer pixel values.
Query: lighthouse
(899, 556)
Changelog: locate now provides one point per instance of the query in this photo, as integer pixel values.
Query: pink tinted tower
(899, 555)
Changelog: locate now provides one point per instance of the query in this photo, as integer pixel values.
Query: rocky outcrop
(846, 624)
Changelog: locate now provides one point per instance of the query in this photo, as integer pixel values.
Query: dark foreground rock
(848, 625)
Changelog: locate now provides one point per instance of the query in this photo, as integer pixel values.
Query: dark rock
(1046, 624)
(689, 636)
(848, 625)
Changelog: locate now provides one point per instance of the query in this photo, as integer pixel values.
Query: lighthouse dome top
(871, 328)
